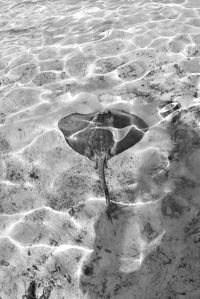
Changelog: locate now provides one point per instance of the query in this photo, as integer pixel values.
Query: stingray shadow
(101, 276)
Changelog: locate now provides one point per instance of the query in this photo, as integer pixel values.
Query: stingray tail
(101, 167)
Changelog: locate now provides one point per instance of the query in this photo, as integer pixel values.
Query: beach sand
(62, 57)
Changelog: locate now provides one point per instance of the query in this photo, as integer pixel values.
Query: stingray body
(102, 135)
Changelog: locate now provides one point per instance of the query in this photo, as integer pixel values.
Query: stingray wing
(75, 128)
(133, 136)
(123, 119)
(128, 129)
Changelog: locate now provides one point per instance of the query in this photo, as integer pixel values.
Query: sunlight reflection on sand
(62, 57)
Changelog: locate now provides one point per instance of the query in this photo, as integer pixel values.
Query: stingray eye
(109, 114)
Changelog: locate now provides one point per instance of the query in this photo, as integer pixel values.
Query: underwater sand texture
(62, 57)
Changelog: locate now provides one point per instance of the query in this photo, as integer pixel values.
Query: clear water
(60, 57)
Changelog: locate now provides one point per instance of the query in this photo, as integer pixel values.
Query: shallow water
(59, 57)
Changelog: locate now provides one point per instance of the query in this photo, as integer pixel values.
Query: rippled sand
(59, 57)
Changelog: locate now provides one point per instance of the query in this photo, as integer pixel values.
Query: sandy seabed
(60, 57)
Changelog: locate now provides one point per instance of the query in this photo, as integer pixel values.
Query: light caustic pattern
(63, 57)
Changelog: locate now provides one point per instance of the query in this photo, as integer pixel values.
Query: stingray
(102, 135)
